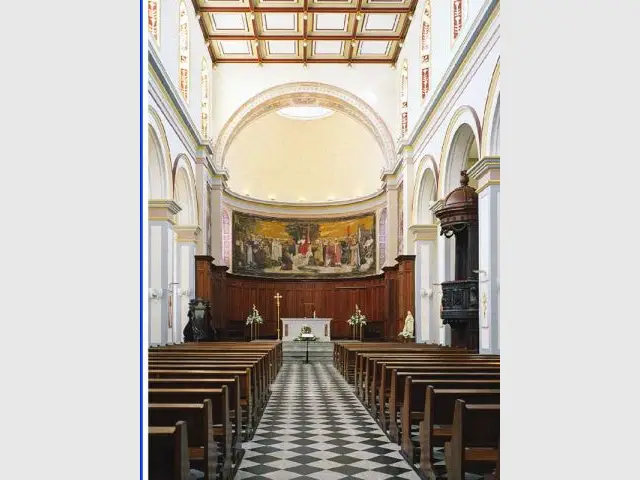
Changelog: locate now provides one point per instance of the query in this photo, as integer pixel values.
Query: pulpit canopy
(460, 208)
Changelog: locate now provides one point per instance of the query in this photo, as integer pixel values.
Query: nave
(315, 427)
(236, 410)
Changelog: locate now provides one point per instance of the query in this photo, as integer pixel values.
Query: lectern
(307, 338)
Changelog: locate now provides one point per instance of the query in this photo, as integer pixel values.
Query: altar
(320, 327)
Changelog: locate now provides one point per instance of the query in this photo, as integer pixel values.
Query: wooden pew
(474, 440)
(168, 453)
(258, 402)
(371, 363)
(396, 392)
(415, 396)
(220, 405)
(381, 381)
(246, 388)
(199, 423)
(258, 376)
(233, 384)
(437, 423)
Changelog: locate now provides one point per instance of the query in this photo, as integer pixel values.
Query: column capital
(486, 172)
(163, 210)
(427, 232)
(217, 182)
(187, 233)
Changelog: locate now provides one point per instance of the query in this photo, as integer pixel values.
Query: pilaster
(408, 180)
(444, 268)
(161, 270)
(217, 185)
(423, 237)
(392, 183)
(187, 238)
(487, 174)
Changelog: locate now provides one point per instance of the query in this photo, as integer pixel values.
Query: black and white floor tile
(314, 427)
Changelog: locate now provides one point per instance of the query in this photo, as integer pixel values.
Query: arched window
(154, 20)
(382, 237)
(404, 100)
(204, 91)
(458, 16)
(226, 237)
(425, 49)
(184, 52)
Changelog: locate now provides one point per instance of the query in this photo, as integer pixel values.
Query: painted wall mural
(343, 247)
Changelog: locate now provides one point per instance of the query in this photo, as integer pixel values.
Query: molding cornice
(364, 205)
(424, 232)
(484, 166)
(436, 206)
(163, 210)
(187, 233)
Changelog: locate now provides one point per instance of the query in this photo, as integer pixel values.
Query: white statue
(407, 331)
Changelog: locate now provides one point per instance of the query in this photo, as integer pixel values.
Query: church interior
(323, 239)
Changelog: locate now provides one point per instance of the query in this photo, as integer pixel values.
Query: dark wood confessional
(459, 219)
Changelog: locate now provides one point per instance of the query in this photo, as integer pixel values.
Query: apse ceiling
(304, 31)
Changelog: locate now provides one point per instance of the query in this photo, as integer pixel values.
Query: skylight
(305, 112)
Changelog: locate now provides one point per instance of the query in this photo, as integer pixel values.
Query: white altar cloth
(320, 327)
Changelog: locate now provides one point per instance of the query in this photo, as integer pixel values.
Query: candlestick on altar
(278, 297)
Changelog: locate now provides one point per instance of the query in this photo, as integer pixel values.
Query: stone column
(424, 240)
(487, 175)
(161, 268)
(187, 239)
(202, 176)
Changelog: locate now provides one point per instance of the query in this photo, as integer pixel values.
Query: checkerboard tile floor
(314, 427)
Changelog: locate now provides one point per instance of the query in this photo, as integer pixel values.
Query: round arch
(463, 132)
(308, 93)
(159, 159)
(491, 117)
(425, 190)
(185, 193)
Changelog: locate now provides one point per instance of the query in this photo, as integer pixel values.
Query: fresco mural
(343, 247)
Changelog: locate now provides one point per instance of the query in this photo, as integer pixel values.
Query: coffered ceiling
(304, 31)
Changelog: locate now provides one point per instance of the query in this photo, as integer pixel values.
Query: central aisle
(315, 427)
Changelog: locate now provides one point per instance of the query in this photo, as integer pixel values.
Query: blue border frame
(141, 227)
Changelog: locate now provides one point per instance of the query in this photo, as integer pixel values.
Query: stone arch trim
(182, 162)
(155, 123)
(489, 110)
(464, 115)
(427, 162)
(311, 93)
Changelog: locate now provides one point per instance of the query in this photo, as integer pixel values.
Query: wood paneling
(406, 290)
(330, 298)
(382, 298)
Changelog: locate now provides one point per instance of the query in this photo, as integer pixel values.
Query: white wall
(234, 84)
(168, 50)
(442, 50)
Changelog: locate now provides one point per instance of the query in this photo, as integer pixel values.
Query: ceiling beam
(354, 33)
(249, 9)
(308, 60)
(302, 37)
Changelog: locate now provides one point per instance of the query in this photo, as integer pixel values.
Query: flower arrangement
(357, 318)
(254, 317)
(306, 329)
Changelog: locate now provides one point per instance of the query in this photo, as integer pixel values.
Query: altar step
(318, 351)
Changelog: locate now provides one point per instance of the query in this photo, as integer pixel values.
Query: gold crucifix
(278, 297)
